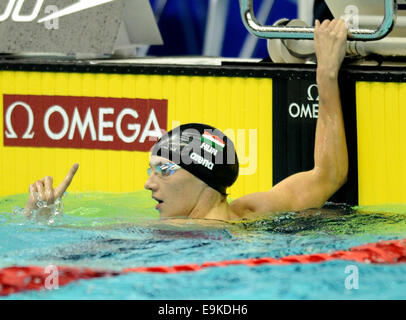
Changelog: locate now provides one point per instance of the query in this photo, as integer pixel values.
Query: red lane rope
(19, 279)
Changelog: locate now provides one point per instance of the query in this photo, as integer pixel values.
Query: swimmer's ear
(59, 191)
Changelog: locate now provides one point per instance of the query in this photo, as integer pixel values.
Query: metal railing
(282, 32)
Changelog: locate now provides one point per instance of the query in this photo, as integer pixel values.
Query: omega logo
(306, 110)
(85, 122)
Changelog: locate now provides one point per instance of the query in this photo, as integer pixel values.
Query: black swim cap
(204, 151)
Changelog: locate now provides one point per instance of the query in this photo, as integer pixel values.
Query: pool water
(117, 231)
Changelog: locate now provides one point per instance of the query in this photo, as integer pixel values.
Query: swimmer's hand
(330, 41)
(42, 190)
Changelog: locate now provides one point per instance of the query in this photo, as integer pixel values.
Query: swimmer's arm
(311, 189)
(304, 190)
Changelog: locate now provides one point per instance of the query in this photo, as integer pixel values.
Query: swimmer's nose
(150, 184)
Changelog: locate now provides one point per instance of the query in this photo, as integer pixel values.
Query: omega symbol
(10, 133)
(310, 97)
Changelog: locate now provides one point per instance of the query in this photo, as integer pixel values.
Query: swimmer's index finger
(66, 182)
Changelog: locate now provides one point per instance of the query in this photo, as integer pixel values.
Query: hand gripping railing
(281, 32)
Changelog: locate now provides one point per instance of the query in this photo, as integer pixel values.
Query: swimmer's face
(176, 194)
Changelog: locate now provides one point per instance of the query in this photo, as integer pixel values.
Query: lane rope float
(17, 279)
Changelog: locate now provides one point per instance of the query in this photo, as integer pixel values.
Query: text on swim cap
(202, 161)
(209, 149)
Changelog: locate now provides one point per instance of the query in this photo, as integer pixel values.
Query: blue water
(147, 243)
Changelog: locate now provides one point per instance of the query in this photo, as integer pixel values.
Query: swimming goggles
(164, 169)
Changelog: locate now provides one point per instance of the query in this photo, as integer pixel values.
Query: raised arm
(311, 189)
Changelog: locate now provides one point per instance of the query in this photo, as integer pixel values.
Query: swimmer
(192, 166)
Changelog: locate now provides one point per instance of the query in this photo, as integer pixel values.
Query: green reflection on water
(101, 209)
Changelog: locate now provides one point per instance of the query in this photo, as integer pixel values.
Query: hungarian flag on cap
(213, 140)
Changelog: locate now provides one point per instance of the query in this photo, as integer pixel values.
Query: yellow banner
(381, 130)
(241, 107)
